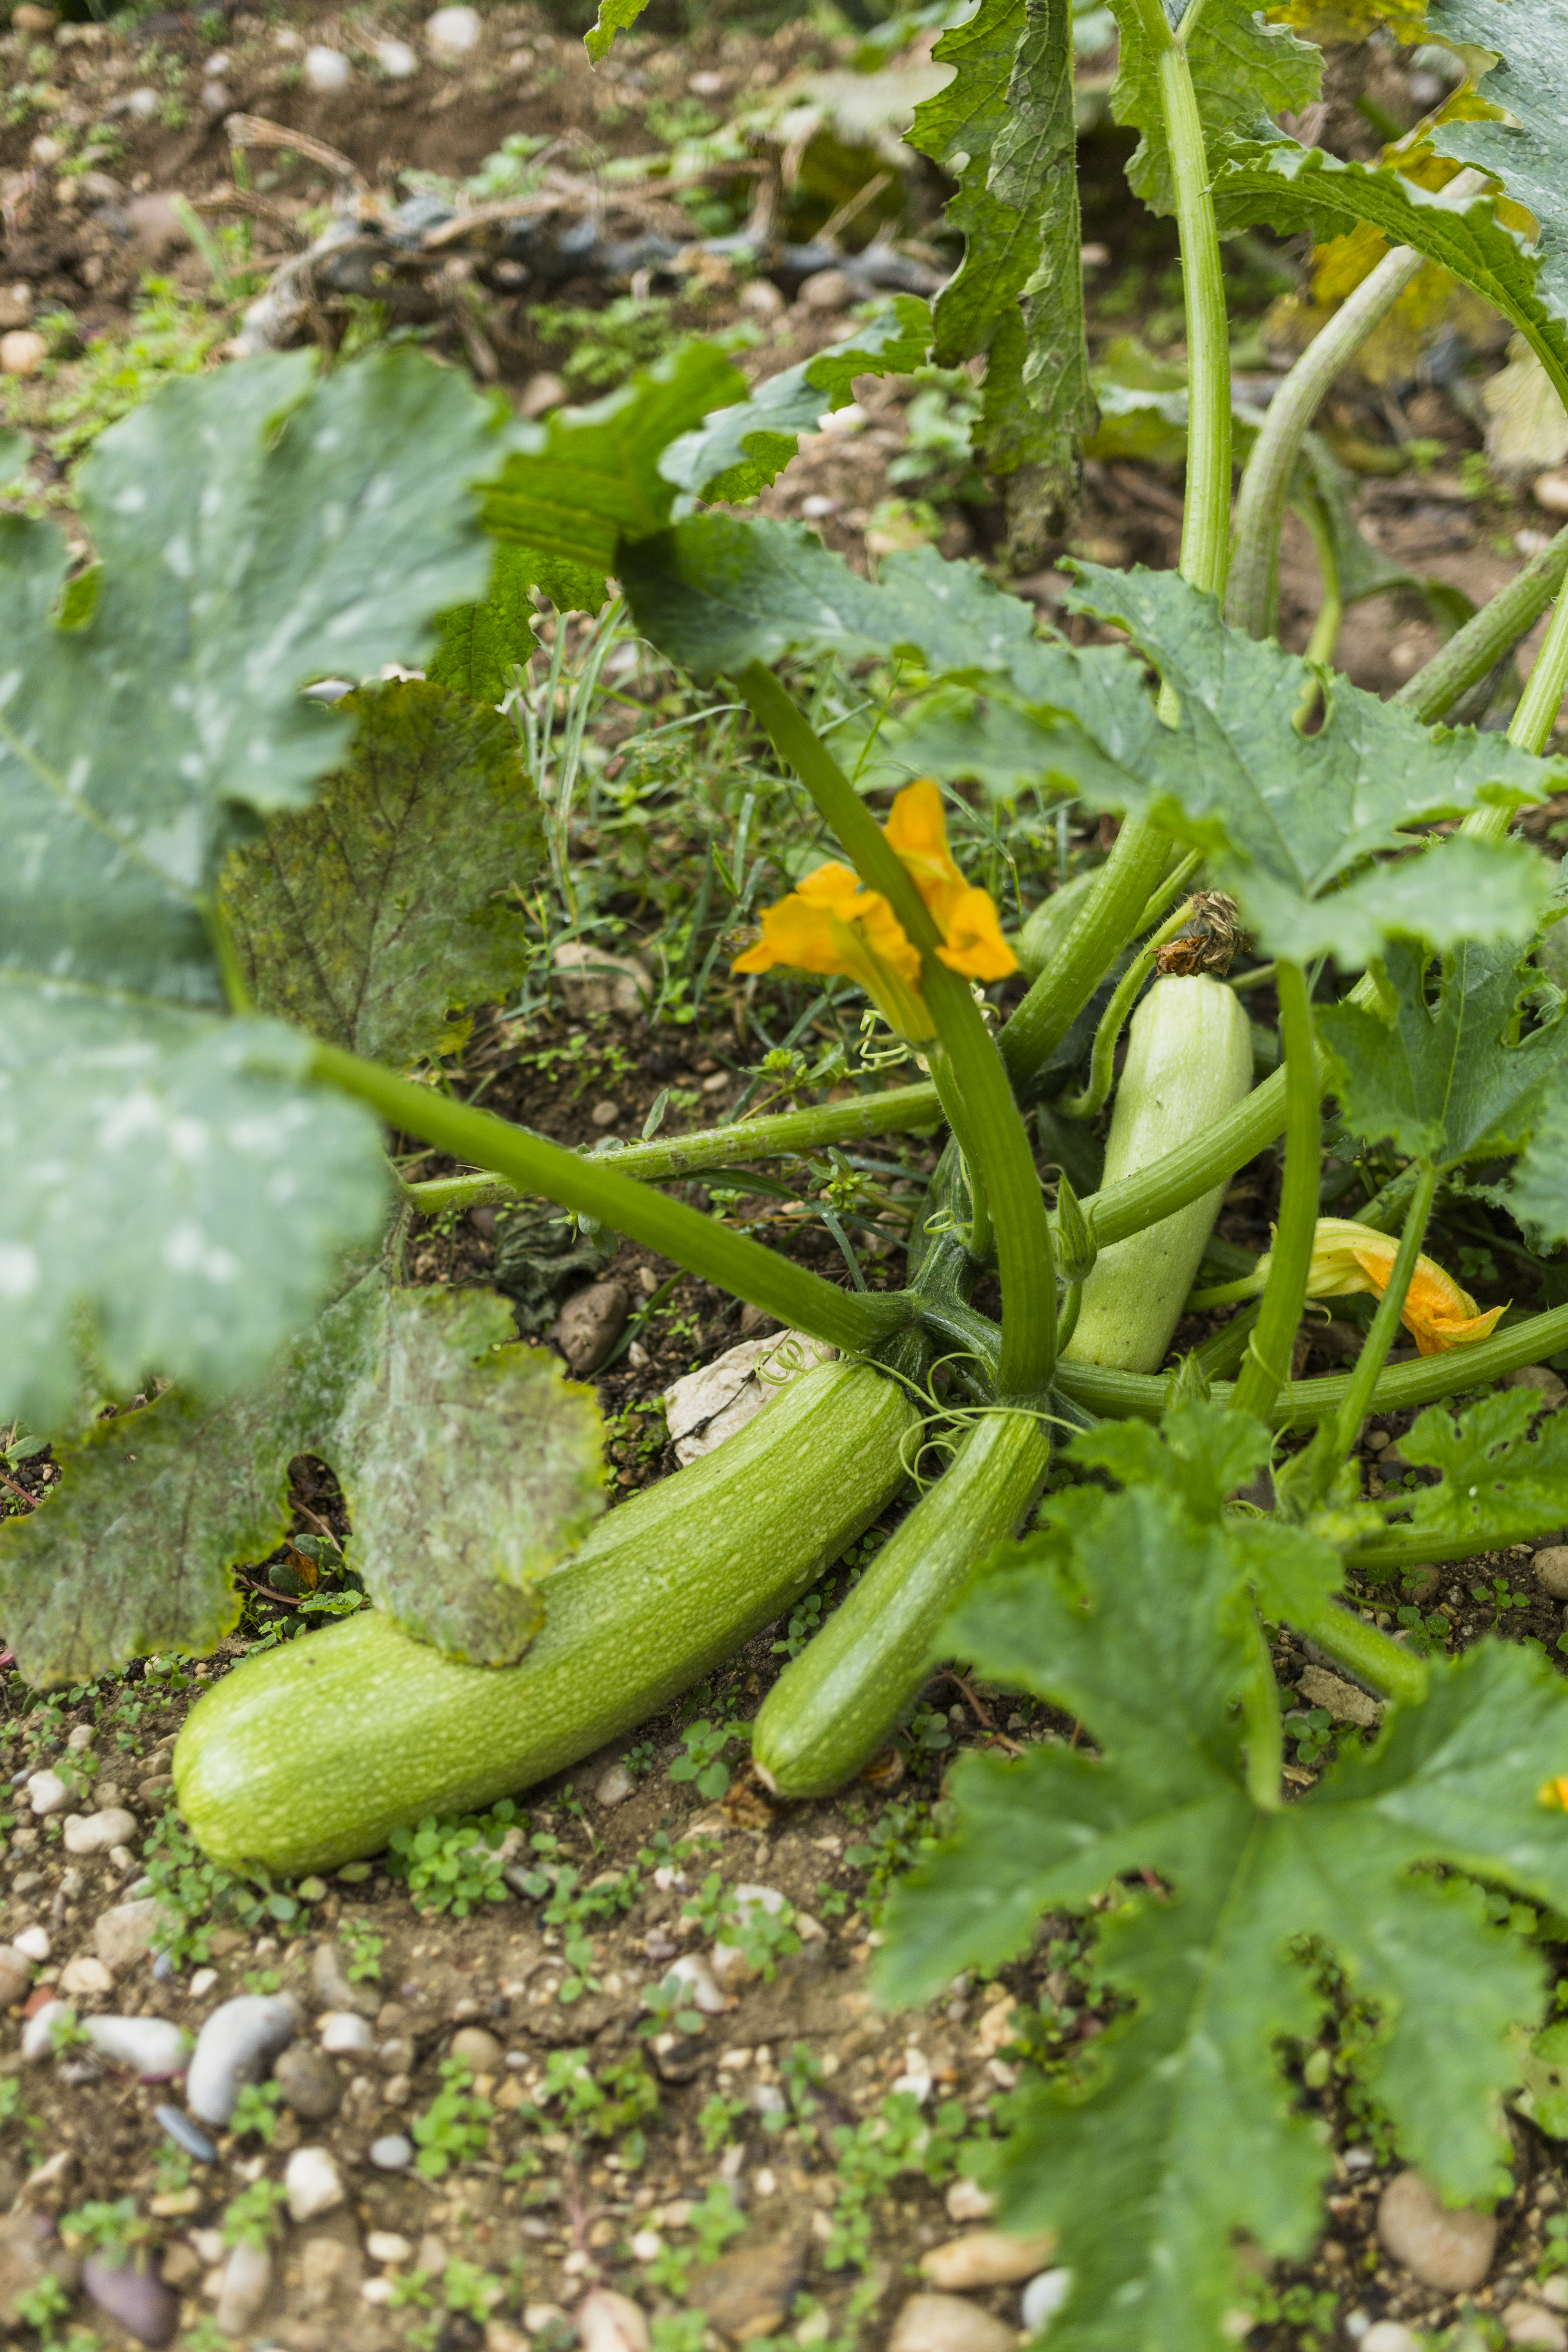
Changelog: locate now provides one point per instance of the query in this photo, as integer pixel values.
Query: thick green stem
(1325, 633)
(854, 1320)
(1267, 1366)
(1476, 648)
(1266, 484)
(998, 1143)
(1120, 1396)
(1368, 1364)
(1368, 1654)
(1265, 1732)
(1090, 1100)
(1543, 698)
(1111, 916)
(777, 1134)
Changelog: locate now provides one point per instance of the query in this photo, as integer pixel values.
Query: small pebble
(203, 1983)
(987, 2258)
(453, 32)
(333, 1987)
(124, 1937)
(247, 2283)
(312, 2086)
(153, 2047)
(478, 2049)
(392, 2154)
(1389, 2336)
(1531, 2326)
(608, 2322)
(967, 2201)
(1043, 2298)
(86, 1834)
(23, 353)
(136, 2297)
(142, 103)
(1447, 2248)
(827, 290)
(945, 2323)
(185, 2133)
(396, 59)
(1551, 1570)
(33, 1943)
(386, 2246)
(46, 1792)
(84, 1974)
(16, 1975)
(346, 2035)
(701, 1986)
(326, 69)
(605, 1113)
(313, 2183)
(613, 1787)
(38, 2033)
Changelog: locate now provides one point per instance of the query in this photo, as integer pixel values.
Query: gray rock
(185, 2133)
(346, 2035)
(751, 2294)
(235, 2045)
(1043, 2298)
(945, 2323)
(1447, 2248)
(144, 2307)
(589, 1325)
(246, 2283)
(333, 1987)
(153, 2047)
(312, 2086)
(1551, 1570)
(16, 1975)
(613, 1787)
(391, 2153)
(1552, 1389)
(85, 1833)
(124, 1937)
(478, 2049)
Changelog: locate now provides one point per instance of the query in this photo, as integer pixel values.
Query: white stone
(85, 1833)
(202, 1983)
(153, 2047)
(236, 2044)
(1531, 2324)
(1043, 2298)
(34, 1942)
(84, 1974)
(326, 69)
(1389, 2336)
(613, 1787)
(124, 1936)
(693, 1972)
(967, 2201)
(38, 2033)
(1449, 2249)
(247, 2283)
(988, 2258)
(46, 1792)
(608, 2322)
(708, 1405)
(1550, 1566)
(593, 981)
(313, 2184)
(453, 32)
(396, 59)
(945, 2323)
(386, 2246)
(346, 2035)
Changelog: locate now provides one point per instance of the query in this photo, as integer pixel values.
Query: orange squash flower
(1348, 1257)
(831, 924)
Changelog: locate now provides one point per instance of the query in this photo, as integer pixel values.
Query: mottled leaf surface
(1245, 72)
(1448, 1078)
(741, 448)
(1182, 2131)
(470, 1465)
(1005, 125)
(480, 642)
(1527, 145)
(370, 917)
(254, 529)
(1292, 188)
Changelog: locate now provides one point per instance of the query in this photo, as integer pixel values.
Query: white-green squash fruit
(1189, 1061)
(311, 1755)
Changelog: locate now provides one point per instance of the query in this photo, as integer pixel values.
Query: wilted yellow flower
(832, 924)
(1349, 1257)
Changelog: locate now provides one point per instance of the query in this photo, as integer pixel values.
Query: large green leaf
(1293, 819)
(1447, 1078)
(254, 529)
(741, 448)
(1527, 145)
(370, 917)
(1005, 125)
(613, 16)
(479, 643)
(469, 1467)
(1244, 72)
(572, 487)
(1292, 188)
(1500, 1482)
(1184, 2134)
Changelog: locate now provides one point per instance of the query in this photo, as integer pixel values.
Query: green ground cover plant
(260, 878)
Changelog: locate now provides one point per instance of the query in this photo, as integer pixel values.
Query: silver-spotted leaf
(370, 917)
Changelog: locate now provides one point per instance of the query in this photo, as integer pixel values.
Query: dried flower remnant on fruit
(832, 924)
(1348, 1257)
(1211, 941)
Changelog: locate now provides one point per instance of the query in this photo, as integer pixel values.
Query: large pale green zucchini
(313, 1755)
(1189, 1061)
(830, 1711)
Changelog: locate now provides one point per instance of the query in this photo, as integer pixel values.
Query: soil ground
(780, 2169)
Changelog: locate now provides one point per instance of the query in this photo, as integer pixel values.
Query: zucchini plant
(251, 877)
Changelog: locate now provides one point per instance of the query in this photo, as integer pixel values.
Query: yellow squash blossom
(831, 924)
(1348, 1257)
